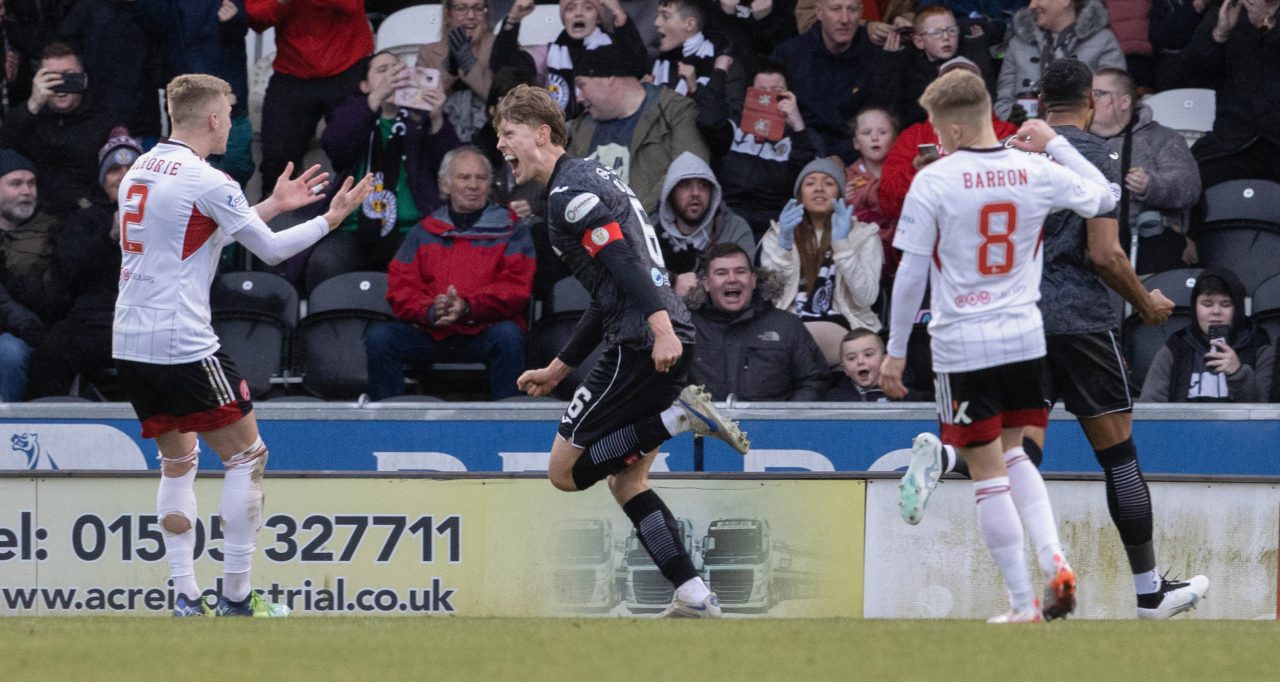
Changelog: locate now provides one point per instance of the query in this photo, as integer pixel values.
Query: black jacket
(1243, 72)
(761, 353)
(903, 76)
(64, 149)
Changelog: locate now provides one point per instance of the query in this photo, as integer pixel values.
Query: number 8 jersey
(978, 214)
(589, 208)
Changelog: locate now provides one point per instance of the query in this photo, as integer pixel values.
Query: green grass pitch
(111, 648)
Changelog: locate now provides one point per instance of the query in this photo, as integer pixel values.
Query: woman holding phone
(1220, 357)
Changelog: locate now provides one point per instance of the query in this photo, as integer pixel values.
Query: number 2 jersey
(590, 208)
(176, 214)
(978, 214)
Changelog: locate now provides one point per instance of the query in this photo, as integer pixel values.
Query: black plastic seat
(330, 351)
(254, 314)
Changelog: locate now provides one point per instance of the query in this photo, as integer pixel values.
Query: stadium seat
(541, 27)
(330, 341)
(1266, 306)
(1190, 111)
(254, 314)
(1241, 230)
(567, 296)
(1174, 284)
(415, 26)
(333, 255)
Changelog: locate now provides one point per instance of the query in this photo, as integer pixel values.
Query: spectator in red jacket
(459, 285)
(319, 45)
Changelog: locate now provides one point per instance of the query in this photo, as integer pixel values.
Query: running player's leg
(176, 508)
(659, 532)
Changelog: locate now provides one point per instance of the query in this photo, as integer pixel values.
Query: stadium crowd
(771, 143)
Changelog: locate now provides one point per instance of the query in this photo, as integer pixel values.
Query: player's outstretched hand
(350, 195)
(1161, 309)
(1033, 136)
(303, 190)
(891, 370)
(667, 350)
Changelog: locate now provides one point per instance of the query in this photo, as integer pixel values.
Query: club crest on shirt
(600, 236)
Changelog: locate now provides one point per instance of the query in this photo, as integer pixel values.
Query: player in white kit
(971, 226)
(176, 214)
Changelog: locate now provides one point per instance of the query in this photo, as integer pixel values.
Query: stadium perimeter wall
(785, 545)
(512, 437)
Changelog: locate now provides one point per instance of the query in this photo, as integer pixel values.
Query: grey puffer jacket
(761, 353)
(1175, 178)
(1094, 44)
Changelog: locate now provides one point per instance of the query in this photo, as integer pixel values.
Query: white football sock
(675, 419)
(692, 591)
(950, 458)
(1031, 497)
(1147, 583)
(1002, 532)
(241, 518)
(177, 496)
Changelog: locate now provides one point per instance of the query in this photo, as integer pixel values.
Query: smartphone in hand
(413, 95)
(761, 116)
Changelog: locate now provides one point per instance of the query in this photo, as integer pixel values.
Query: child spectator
(874, 131)
(861, 352)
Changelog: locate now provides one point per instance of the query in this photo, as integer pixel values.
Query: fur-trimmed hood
(1092, 19)
(769, 286)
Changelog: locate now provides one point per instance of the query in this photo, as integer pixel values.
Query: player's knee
(562, 480)
(174, 469)
(175, 523)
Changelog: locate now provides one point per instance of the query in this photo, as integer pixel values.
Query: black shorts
(1087, 373)
(974, 406)
(621, 389)
(195, 396)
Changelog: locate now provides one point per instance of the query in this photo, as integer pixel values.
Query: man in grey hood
(1046, 31)
(1161, 179)
(692, 218)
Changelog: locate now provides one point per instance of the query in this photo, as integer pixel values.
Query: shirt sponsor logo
(580, 206)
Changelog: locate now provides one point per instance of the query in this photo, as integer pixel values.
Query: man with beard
(30, 297)
(694, 219)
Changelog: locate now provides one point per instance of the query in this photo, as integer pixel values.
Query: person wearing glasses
(462, 57)
(916, 52)
(1044, 32)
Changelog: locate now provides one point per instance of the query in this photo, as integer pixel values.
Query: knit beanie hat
(11, 161)
(821, 165)
(120, 150)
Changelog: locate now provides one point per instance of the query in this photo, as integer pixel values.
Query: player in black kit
(636, 397)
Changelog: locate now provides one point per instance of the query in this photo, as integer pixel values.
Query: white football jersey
(978, 214)
(176, 214)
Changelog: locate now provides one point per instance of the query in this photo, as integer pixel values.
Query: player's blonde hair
(189, 96)
(532, 106)
(957, 96)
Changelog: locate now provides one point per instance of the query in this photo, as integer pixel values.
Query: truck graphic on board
(741, 565)
(585, 559)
